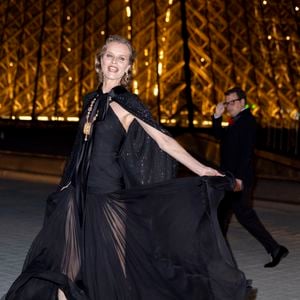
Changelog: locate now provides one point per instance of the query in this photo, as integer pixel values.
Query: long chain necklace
(87, 128)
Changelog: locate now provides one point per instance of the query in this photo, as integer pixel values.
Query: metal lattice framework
(189, 53)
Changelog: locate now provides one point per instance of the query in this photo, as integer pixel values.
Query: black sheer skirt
(160, 241)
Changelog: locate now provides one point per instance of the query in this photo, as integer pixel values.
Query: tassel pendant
(87, 129)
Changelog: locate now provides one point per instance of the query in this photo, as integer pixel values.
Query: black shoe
(277, 256)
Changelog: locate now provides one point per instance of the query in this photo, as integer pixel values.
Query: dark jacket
(237, 143)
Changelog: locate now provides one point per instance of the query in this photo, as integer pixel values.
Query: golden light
(295, 115)
(57, 118)
(72, 119)
(42, 118)
(161, 54)
(159, 68)
(168, 15)
(24, 118)
(135, 87)
(207, 123)
(155, 90)
(128, 11)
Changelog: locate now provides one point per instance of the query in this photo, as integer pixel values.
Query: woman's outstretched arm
(166, 143)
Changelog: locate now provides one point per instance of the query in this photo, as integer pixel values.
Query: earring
(126, 76)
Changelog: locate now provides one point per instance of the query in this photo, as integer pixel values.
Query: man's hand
(220, 108)
(238, 185)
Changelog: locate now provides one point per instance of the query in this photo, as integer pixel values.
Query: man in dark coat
(237, 153)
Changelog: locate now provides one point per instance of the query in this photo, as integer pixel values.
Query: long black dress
(119, 228)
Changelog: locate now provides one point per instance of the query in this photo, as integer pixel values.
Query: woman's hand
(207, 171)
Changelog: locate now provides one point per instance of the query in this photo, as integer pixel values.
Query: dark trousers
(240, 204)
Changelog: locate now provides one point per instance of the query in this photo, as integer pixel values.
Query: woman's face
(115, 61)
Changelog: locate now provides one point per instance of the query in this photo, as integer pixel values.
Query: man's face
(233, 104)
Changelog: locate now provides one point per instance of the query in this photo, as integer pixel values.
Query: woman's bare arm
(165, 142)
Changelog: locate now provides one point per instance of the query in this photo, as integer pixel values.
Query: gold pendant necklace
(87, 127)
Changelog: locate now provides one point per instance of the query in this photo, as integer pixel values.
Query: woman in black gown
(119, 227)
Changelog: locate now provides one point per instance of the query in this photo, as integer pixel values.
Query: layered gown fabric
(120, 227)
